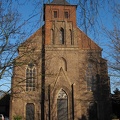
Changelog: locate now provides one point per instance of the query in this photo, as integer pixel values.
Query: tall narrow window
(71, 36)
(52, 36)
(93, 111)
(55, 14)
(62, 105)
(30, 77)
(66, 14)
(90, 77)
(30, 111)
(62, 41)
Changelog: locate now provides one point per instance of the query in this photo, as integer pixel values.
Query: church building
(59, 73)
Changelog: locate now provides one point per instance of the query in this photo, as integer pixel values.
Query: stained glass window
(30, 77)
(62, 105)
(91, 77)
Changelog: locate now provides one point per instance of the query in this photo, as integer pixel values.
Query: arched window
(93, 111)
(62, 105)
(71, 37)
(91, 77)
(62, 41)
(30, 77)
(30, 111)
(52, 36)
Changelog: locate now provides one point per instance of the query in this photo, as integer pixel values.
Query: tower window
(66, 14)
(30, 77)
(62, 41)
(55, 14)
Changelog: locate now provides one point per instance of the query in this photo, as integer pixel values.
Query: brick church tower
(59, 73)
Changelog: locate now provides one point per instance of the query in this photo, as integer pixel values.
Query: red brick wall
(60, 10)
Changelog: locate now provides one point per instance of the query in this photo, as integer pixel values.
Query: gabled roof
(37, 33)
(85, 42)
(60, 2)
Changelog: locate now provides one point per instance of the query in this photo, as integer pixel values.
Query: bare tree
(114, 47)
(10, 37)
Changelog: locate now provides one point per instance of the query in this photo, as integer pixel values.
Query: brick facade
(61, 66)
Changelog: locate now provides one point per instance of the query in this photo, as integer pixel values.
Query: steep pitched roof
(37, 33)
(60, 2)
(85, 42)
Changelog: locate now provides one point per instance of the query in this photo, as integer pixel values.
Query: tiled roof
(60, 2)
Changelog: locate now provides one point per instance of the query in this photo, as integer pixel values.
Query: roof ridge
(60, 2)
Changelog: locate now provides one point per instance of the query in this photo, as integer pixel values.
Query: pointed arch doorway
(62, 105)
